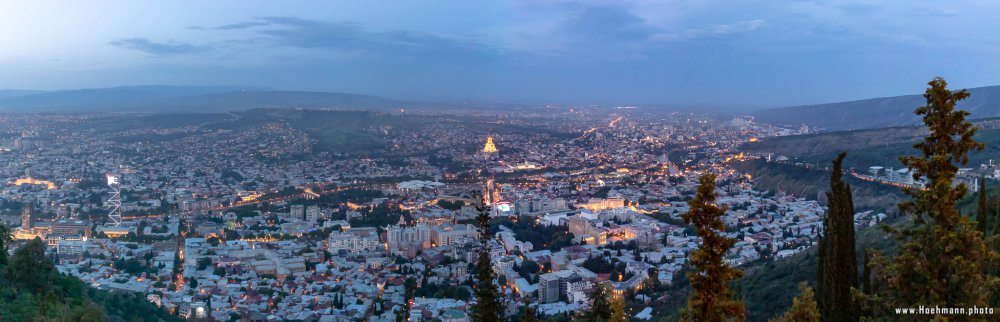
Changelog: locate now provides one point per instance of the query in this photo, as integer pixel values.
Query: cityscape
(561, 200)
(269, 235)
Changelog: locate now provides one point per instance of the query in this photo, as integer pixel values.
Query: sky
(700, 53)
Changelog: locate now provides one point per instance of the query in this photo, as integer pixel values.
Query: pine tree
(618, 310)
(488, 306)
(838, 268)
(711, 299)
(943, 257)
(600, 307)
(804, 308)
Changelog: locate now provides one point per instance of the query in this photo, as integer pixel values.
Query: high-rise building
(490, 195)
(312, 213)
(406, 237)
(355, 240)
(298, 212)
(451, 235)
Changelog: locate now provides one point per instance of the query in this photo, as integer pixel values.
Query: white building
(355, 240)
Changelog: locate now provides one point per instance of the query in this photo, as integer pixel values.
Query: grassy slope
(869, 147)
(768, 289)
(809, 183)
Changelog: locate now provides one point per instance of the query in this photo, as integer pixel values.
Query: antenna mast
(115, 202)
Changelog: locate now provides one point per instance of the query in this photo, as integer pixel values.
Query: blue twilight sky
(731, 53)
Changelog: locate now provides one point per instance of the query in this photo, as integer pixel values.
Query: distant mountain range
(984, 102)
(182, 99)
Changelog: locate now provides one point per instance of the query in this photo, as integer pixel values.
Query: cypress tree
(866, 275)
(4, 239)
(488, 307)
(981, 208)
(996, 222)
(943, 257)
(838, 267)
(711, 299)
(408, 294)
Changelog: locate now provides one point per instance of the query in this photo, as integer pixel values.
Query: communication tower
(115, 202)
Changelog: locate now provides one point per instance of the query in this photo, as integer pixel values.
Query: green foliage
(529, 314)
(552, 237)
(804, 308)
(838, 267)
(808, 183)
(618, 310)
(982, 221)
(131, 266)
(443, 291)
(711, 299)
(29, 268)
(768, 289)
(4, 240)
(528, 268)
(450, 205)
(32, 290)
(379, 216)
(943, 257)
(489, 306)
(600, 305)
(204, 263)
(868, 147)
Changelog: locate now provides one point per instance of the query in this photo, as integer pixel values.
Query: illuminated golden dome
(490, 147)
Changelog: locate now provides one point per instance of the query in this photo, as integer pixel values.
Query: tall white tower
(115, 202)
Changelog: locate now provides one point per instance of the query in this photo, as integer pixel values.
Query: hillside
(32, 290)
(336, 131)
(183, 99)
(6, 93)
(868, 147)
(873, 113)
(810, 183)
(767, 288)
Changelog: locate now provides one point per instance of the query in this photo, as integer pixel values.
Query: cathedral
(489, 147)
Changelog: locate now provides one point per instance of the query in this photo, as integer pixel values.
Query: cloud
(241, 25)
(157, 48)
(605, 23)
(350, 36)
(712, 32)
